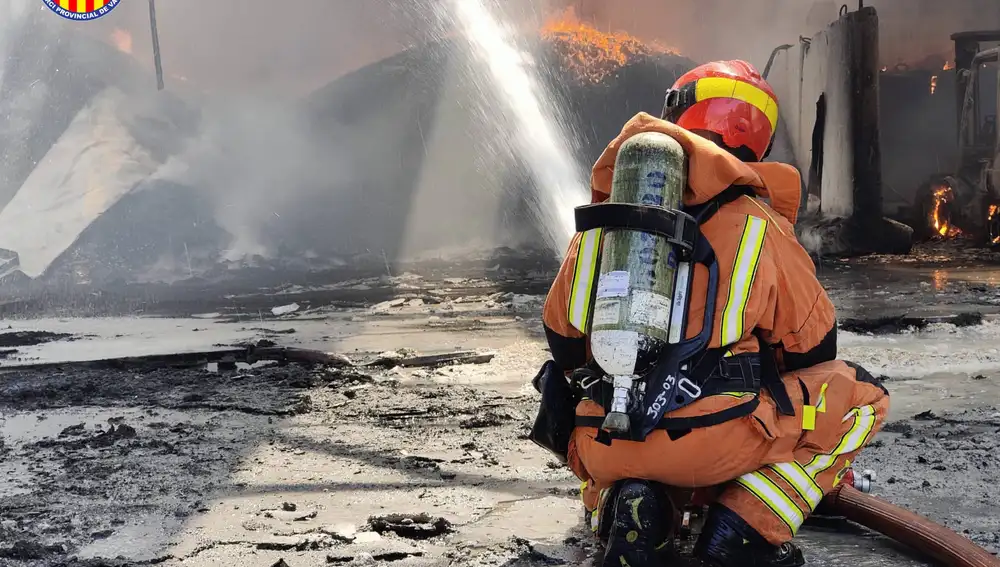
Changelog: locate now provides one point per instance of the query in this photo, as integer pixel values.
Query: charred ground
(385, 458)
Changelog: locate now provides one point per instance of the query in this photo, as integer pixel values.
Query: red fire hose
(934, 541)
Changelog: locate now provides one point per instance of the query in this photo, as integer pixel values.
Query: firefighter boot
(637, 522)
(728, 541)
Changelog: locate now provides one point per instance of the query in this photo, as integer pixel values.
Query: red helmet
(729, 99)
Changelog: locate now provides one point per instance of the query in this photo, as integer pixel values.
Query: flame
(590, 54)
(948, 66)
(122, 40)
(994, 209)
(933, 84)
(943, 195)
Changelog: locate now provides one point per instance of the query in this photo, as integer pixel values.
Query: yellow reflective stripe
(602, 501)
(808, 418)
(804, 485)
(854, 439)
(741, 282)
(821, 404)
(583, 279)
(809, 412)
(772, 497)
(733, 394)
(720, 87)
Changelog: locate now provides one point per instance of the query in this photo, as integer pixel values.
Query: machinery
(978, 105)
(969, 200)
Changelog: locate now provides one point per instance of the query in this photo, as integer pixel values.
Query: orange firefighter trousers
(773, 469)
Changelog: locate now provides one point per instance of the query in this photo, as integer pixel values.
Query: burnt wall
(812, 83)
(829, 90)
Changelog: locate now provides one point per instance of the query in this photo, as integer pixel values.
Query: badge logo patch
(81, 10)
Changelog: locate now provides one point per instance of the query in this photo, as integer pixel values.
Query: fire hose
(932, 540)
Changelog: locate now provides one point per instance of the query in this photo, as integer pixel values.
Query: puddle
(939, 348)
(832, 549)
(133, 539)
(942, 391)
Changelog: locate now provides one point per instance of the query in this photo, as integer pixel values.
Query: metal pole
(770, 61)
(156, 45)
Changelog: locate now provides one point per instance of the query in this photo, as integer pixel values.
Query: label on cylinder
(607, 311)
(650, 309)
(680, 303)
(613, 284)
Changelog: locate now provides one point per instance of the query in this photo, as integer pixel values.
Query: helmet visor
(740, 123)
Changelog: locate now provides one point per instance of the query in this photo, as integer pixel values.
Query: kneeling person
(773, 421)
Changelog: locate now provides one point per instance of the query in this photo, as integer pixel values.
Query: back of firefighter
(775, 464)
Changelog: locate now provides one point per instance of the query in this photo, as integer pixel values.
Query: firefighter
(781, 419)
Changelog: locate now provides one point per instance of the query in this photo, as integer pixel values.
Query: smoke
(292, 48)
(915, 30)
(254, 163)
(247, 68)
(257, 160)
(288, 48)
(247, 65)
(911, 30)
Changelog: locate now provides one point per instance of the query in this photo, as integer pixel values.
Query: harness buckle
(675, 102)
(585, 385)
(690, 388)
(724, 368)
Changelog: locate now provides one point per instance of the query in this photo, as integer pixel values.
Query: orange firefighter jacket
(766, 279)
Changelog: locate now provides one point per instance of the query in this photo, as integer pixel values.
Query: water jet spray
(541, 140)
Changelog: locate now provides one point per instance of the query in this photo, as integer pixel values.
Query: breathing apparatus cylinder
(641, 299)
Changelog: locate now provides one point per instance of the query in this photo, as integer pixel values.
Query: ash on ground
(410, 447)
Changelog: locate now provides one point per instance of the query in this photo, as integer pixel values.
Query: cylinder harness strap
(688, 370)
(677, 227)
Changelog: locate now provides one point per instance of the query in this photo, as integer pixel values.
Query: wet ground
(394, 460)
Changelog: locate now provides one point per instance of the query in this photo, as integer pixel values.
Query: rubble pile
(591, 55)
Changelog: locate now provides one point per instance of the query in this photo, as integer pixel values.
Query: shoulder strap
(770, 376)
(703, 212)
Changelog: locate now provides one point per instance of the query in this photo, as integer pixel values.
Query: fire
(592, 54)
(943, 196)
(994, 209)
(122, 40)
(933, 84)
(948, 66)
